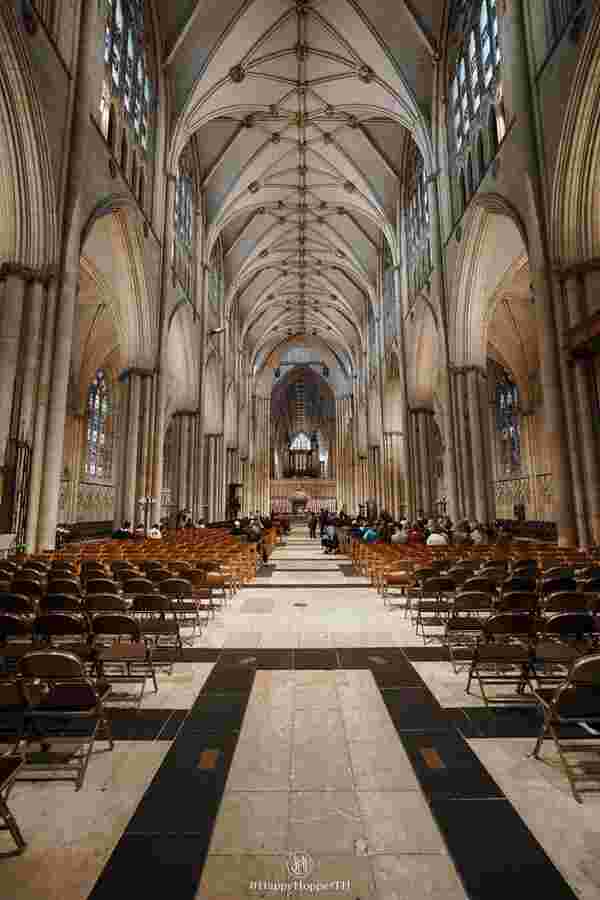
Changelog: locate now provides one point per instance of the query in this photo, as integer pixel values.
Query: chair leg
(12, 826)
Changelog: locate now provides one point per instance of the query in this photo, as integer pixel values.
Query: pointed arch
(575, 219)
(28, 221)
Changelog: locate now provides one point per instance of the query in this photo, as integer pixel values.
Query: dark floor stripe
(493, 850)
(163, 849)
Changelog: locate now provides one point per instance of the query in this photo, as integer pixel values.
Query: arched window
(480, 157)
(301, 442)
(98, 462)
(493, 132)
(112, 128)
(141, 188)
(124, 153)
(463, 192)
(476, 66)
(508, 422)
(128, 70)
(184, 209)
(470, 181)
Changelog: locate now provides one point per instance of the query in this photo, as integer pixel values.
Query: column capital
(134, 370)
(44, 274)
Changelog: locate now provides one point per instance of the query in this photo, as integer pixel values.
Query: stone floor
(320, 783)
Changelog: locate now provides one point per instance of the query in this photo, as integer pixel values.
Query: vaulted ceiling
(300, 114)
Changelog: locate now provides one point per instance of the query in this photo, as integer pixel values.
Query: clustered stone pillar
(446, 382)
(26, 311)
(135, 450)
(394, 478)
(586, 455)
(262, 454)
(421, 443)
(344, 454)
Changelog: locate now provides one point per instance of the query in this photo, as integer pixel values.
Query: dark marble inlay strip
(163, 849)
(494, 852)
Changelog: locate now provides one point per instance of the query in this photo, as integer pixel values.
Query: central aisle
(305, 598)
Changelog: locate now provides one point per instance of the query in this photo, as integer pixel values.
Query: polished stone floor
(320, 766)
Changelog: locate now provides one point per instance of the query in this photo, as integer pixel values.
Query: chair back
(516, 601)
(138, 586)
(586, 670)
(439, 586)
(471, 601)
(506, 624)
(64, 586)
(176, 587)
(19, 604)
(13, 625)
(51, 664)
(101, 586)
(151, 604)
(61, 624)
(479, 583)
(526, 583)
(571, 625)
(556, 585)
(116, 625)
(31, 587)
(61, 603)
(100, 603)
(566, 601)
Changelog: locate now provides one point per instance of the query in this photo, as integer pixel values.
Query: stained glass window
(126, 60)
(99, 438)
(184, 209)
(475, 68)
(508, 423)
(301, 442)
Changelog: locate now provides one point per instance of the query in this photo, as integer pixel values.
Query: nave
(309, 722)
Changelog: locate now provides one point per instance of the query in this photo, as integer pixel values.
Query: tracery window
(184, 229)
(301, 442)
(99, 437)
(128, 83)
(475, 78)
(508, 423)
(418, 224)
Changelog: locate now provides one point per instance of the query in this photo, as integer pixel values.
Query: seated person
(155, 532)
(478, 534)
(124, 532)
(140, 530)
(200, 524)
(330, 541)
(437, 539)
(400, 535)
(237, 529)
(415, 535)
(370, 534)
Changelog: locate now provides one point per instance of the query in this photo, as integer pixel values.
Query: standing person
(322, 521)
(312, 526)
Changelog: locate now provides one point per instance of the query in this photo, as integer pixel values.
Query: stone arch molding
(111, 250)
(575, 207)
(28, 221)
(474, 286)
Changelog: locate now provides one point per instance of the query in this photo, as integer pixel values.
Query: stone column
(145, 449)
(40, 417)
(131, 449)
(160, 380)
(460, 447)
(478, 455)
(119, 451)
(423, 416)
(83, 102)
(574, 291)
(466, 446)
(438, 281)
(12, 301)
(552, 363)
